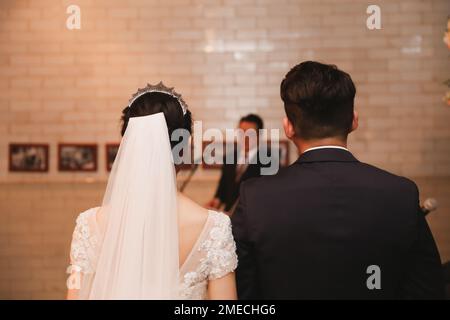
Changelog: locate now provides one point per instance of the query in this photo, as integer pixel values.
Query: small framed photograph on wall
(111, 153)
(28, 157)
(77, 157)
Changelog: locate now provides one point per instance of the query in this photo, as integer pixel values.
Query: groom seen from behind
(329, 226)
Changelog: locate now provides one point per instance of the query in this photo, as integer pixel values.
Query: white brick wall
(227, 58)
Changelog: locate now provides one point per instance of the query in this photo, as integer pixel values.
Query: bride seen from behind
(147, 241)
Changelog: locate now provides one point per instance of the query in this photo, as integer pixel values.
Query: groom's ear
(288, 128)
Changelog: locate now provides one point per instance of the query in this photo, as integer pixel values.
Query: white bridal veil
(138, 256)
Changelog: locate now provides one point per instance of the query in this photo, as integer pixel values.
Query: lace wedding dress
(213, 255)
(130, 249)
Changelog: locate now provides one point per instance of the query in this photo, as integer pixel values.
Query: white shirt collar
(325, 147)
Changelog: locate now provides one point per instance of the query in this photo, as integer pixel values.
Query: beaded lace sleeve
(221, 248)
(82, 243)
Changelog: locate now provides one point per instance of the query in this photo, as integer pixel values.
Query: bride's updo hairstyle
(155, 102)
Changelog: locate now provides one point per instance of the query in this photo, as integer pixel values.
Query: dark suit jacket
(312, 230)
(228, 188)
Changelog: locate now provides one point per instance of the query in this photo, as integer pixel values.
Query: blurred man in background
(246, 165)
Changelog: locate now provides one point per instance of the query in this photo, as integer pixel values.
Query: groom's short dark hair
(318, 100)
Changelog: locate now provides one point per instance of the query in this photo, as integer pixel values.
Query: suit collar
(327, 155)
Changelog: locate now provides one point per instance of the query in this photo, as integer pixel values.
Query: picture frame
(81, 157)
(28, 157)
(110, 154)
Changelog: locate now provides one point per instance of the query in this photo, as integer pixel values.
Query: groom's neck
(303, 145)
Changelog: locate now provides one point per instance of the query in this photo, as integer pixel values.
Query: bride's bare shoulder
(190, 211)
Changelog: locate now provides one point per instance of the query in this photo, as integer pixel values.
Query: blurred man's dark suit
(231, 179)
(312, 230)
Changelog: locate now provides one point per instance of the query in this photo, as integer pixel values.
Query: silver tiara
(160, 87)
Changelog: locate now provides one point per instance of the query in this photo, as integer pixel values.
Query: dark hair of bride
(155, 102)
